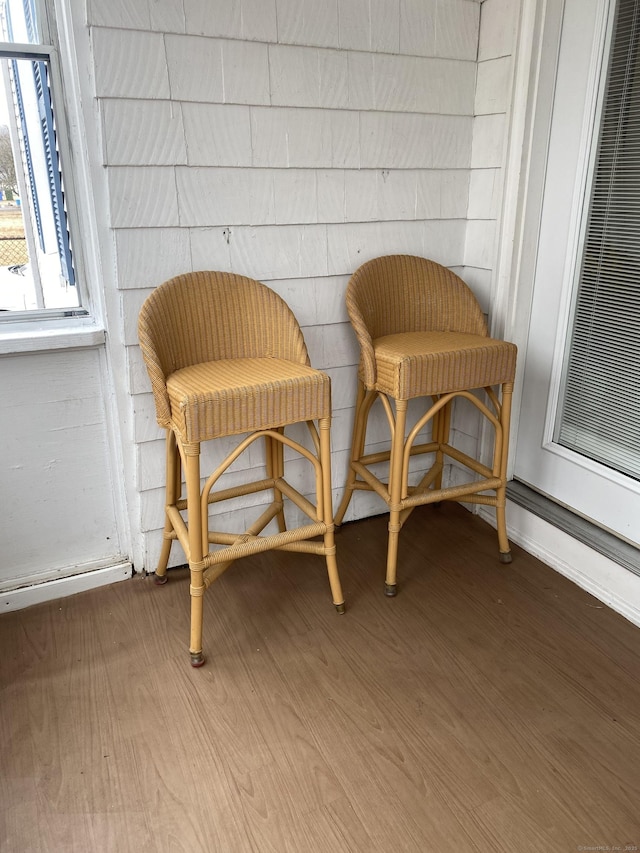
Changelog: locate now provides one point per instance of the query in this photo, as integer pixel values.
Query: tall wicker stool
(422, 334)
(226, 357)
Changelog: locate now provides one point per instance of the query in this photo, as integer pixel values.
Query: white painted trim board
(17, 599)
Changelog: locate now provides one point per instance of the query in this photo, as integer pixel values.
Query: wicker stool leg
(501, 493)
(274, 452)
(196, 566)
(324, 425)
(172, 468)
(441, 429)
(357, 449)
(395, 496)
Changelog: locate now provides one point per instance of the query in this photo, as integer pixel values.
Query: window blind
(599, 414)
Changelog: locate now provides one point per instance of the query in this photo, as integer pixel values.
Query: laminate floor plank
(486, 707)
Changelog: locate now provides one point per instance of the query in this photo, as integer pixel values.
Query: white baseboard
(17, 599)
(610, 583)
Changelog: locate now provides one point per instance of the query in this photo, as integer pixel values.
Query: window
(600, 415)
(37, 270)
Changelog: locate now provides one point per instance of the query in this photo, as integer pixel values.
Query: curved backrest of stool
(205, 316)
(404, 293)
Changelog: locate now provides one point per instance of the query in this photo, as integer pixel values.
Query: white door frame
(529, 122)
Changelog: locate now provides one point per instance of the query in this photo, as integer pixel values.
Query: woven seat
(226, 357)
(422, 334)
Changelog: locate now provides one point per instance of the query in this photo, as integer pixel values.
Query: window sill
(42, 336)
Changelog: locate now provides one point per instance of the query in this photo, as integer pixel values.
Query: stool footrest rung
(298, 499)
(255, 544)
(371, 482)
(179, 527)
(238, 491)
(451, 493)
(301, 547)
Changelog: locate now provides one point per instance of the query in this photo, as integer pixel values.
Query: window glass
(20, 21)
(36, 258)
(600, 413)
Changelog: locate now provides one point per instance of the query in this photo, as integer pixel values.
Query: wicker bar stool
(422, 334)
(226, 357)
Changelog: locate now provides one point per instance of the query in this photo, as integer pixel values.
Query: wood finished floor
(486, 708)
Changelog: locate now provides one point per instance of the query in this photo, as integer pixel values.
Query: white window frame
(33, 330)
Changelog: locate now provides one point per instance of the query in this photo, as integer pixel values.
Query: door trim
(529, 121)
(538, 45)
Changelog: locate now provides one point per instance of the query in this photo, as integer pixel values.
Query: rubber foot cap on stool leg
(391, 590)
(160, 580)
(197, 659)
(340, 608)
(505, 556)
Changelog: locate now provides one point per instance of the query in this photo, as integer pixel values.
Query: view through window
(36, 262)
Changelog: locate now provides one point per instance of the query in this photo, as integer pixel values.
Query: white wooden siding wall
(496, 46)
(288, 140)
